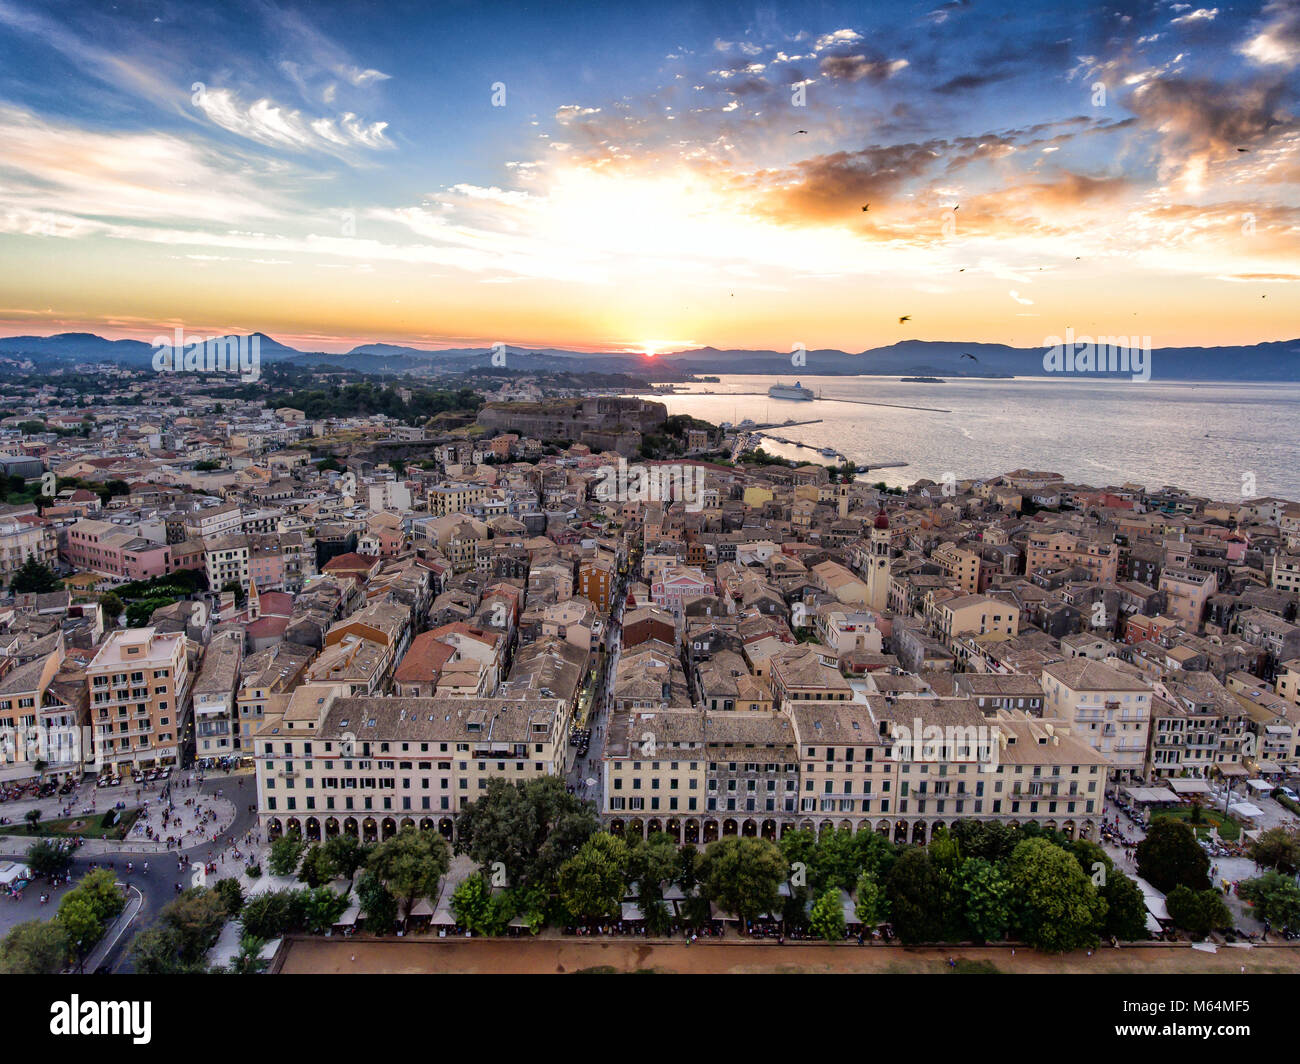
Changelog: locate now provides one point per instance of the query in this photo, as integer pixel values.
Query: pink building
(102, 547)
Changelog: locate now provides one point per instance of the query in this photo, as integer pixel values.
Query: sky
(651, 176)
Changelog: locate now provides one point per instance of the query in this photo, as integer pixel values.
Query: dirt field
(545, 955)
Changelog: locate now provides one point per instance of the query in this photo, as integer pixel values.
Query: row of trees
(543, 859)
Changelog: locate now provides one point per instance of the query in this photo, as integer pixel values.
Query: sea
(1223, 440)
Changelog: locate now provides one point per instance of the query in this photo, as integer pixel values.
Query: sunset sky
(336, 174)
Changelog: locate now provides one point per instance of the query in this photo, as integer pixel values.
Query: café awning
(1156, 907)
(1150, 795)
(1189, 786)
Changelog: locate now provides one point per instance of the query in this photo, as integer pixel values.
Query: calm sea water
(1206, 438)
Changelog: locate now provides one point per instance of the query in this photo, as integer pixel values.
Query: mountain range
(1275, 361)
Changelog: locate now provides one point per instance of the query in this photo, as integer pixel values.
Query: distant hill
(1277, 361)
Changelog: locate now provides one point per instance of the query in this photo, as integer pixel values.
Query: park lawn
(1229, 829)
(92, 827)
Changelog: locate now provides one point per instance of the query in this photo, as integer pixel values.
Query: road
(589, 767)
(157, 885)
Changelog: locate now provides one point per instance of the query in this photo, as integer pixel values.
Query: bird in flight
(1243, 149)
(967, 354)
(798, 131)
(905, 317)
(957, 207)
(866, 206)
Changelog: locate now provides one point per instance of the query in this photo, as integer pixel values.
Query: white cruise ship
(787, 391)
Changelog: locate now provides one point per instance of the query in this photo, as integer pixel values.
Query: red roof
(424, 660)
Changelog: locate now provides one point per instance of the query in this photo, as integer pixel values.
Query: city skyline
(651, 180)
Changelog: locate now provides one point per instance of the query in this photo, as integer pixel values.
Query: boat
(829, 452)
(787, 391)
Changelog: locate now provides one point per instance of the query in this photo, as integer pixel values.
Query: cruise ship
(786, 391)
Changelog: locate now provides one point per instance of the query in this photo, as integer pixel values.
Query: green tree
(987, 899)
(197, 916)
(652, 862)
(266, 915)
(112, 606)
(836, 861)
(1090, 855)
(377, 902)
(33, 817)
(915, 891)
(33, 575)
(157, 951)
(593, 881)
(470, 900)
(231, 895)
(531, 827)
(285, 853)
(47, 859)
(249, 960)
(410, 864)
(876, 854)
(1276, 898)
(346, 854)
(1277, 848)
(872, 905)
(1198, 912)
(827, 918)
(744, 876)
(800, 847)
(1126, 908)
(99, 888)
(1059, 908)
(321, 907)
(83, 924)
(1170, 856)
(991, 839)
(317, 868)
(36, 947)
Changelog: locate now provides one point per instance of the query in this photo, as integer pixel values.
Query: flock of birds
(866, 207)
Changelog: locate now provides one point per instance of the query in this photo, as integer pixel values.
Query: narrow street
(585, 776)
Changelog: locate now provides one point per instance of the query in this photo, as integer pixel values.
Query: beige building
(1187, 591)
(333, 764)
(850, 765)
(139, 687)
(447, 499)
(962, 565)
(972, 615)
(1105, 707)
